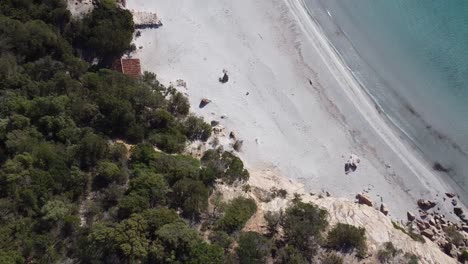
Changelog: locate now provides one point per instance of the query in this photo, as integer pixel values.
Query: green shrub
(463, 256)
(347, 237)
(412, 258)
(107, 173)
(179, 105)
(197, 129)
(151, 186)
(170, 142)
(410, 233)
(454, 236)
(191, 196)
(253, 248)
(237, 213)
(302, 224)
(221, 239)
(388, 252)
(290, 255)
(332, 258)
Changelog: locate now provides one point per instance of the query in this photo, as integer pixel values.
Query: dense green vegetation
(80, 179)
(68, 191)
(346, 237)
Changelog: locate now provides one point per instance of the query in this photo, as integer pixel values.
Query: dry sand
(304, 113)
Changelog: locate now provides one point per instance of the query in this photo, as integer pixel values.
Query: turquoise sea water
(412, 58)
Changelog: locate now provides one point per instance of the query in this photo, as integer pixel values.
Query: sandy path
(304, 113)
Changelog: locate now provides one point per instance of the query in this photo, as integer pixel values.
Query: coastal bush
(196, 128)
(107, 173)
(454, 236)
(253, 248)
(68, 191)
(191, 196)
(179, 105)
(106, 33)
(332, 258)
(221, 239)
(463, 256)
(388, 252)
(170, 142)
(410, 233)
(290, 255)
(412, 258)
(237, 213)
(226, 165)
(151, 186)
(273, 220)
(346, 237)
(303, 224)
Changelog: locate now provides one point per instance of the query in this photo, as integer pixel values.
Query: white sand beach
(291, 99)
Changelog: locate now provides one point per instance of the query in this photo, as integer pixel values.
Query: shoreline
(276, 121)
(391, 130)
(431, 144)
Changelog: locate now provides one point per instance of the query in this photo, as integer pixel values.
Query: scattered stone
(327, 194)
(383, 209)
(450, 195)
(238, 145)
(423, 214)
(204, 102)
(181, 83)
(458, 211)
(439, 167)
(410, 216)
(247, 93)
(225, 77)
(232, 135)
(363, 199)
(427, 233)
(218, 129)
(454, 202)
(464, 228)
(426, 204)
(421, 226)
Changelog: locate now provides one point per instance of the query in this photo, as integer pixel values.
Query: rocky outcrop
(363, 199)
(450, 195)
(410, 216)
(383, 209)
(426, 204)
(204, 102)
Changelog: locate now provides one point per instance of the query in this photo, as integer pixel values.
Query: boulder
(363, 199)
(410, 216)
(232, 135)
(426, 224)
(450, 195)
(214, 123)
(454, 202)
(421, 226)
(464, 228)
(383, 209)
(458, 211)
(432, 222)
(423, 214)
(204, 102)
(427, 233)
(426, 204)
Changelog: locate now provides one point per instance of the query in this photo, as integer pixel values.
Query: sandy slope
(304, 114)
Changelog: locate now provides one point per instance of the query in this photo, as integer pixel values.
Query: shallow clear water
(412, 58)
